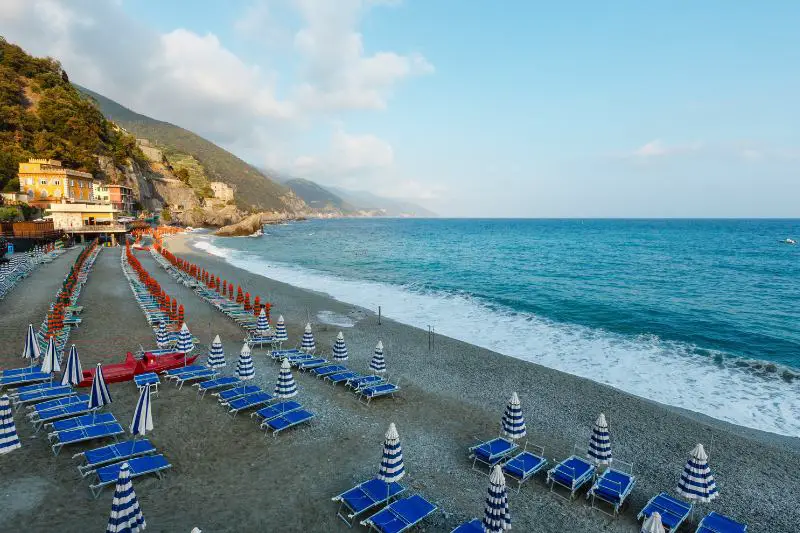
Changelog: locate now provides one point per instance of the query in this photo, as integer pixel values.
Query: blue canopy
(392, 468)
(99, 395)
(244, 366)
(51, 362)
(126, 515)
(162, 337)
(600, 442)
(513, 422)
(262, 325)
(340, 348)
(143, 415)
(496, 516)
(216, 357)
(73, 373)
(307, 344)
(378, 363)
(185, 344)
(697, 482)
(31, 350)
(286, 386)
(280, 330)
(9, 441)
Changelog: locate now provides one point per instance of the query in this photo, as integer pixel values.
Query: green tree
(183, 175)
(9, 213)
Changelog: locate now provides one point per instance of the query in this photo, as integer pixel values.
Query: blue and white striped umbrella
(185, 343)
(162, 337)
(496, 516)
(280, 330)
(600, 442)
(31, 350)
(378, 363)
(262, 325)
(513, 422)
(244, 366)
(99, 395)
(307, 344)
(126, 515)
(9, 441)
(73, 373)
(143, 415)
(392, 468)
(697, 482)
(286, 386)
(51, 362)
(216, 357)
(340, 348)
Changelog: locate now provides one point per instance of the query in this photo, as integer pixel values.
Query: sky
(533, 109)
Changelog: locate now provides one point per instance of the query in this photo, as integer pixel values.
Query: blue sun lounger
(572, 473)
(205, 373)
(672, 510)
(248, 402)
(50, 416)
(364, 381)
(401, 515)
(473, 526)
(139, 466)
(148, 378)
(35, 387)
(274, 411)
(176, 372)
(215, 384)
(327, 370)
(300, 357)
(113, 453)
(8, 372)
(82, 421)
(717, 523)
(261, 341)
(42, 395)
(366, 394)
(612, 487)
(24, 379)
(236, 392)
(280, 354)
(492, 451)
(365, 497)
(291, 419)
(308, 364)
(36, 410)
(525, 465)
(341, 377)
(76, 436)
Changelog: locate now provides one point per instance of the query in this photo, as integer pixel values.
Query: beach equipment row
(20, 265)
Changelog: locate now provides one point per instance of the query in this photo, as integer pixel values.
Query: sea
(698, 314)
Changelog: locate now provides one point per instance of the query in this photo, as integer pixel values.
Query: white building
(222, 191)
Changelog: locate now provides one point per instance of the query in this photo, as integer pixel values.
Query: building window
(43, 182)
(71, 183)
(57, 182)
(29, 181)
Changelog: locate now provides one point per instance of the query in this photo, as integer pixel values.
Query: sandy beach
(227, 476)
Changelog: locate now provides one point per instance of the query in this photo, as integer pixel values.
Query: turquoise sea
(701, 314)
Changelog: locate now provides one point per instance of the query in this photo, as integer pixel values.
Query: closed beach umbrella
(31, 350)
(142, 417)
(697, 482)
(496, 517)
(600, 442)
(378, 363)
(244, 366)
(216, 357)
(73, 373)
(653, 524)
(99, 395)
(262, 326)
(185, 344)
(126, 516)
(513, 422)
(340, 348)
(280, 330)
(392, 468)
(286, 386)
(9, 441)
(307, 344)
(50, 363)
(162, 337)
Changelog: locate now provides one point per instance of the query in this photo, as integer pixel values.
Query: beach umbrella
(262, 326)
(143, 416)
(392, 468)
(9, 441)
(162, 337)
(286, 386)
(216, 357)
(496, 516)
(280, 330)
(50, 363)
(513, 422)
(652, 524)
(244, 366)
(185, 344)
(600, 442)
(31, 350)
(73, 373)
(307, 343)
(99, 395)
(378, 363)
(697, 482)
(126, 515)
(340, 348)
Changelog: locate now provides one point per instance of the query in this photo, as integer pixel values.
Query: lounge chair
(672, 510)
(187, 377)
(401, 515)
(24, 379)
(365, 497)
(366, 394)
(525, 465)
(64, 401)
(572, 473)
(51, 415)
(473, 526)
(280, 354)
(291, 419)
(492, 451)
(717, 523)
(274, 411)
(613, 486)
(341, 377)
(35, 387)
(148, 378)
(248, 402)
(139, 466)
(236, 392)
(294, 360)
(42, 395)
(326, 370)
(112, 453)
(365, 381)
(76, 436)
(82, 421)
(8, 372)
(261, 341)
(308, 364)
(215, 384)
(177, 372)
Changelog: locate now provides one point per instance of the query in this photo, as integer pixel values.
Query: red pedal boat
(117, 372)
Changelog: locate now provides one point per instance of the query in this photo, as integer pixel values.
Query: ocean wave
(668, 372)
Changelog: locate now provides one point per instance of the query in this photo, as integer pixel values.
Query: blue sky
(533, 109)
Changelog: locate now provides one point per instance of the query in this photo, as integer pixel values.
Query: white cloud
(657, 148)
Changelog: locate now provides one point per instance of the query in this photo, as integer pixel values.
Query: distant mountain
(317, 197)
(390, 206)
(253, 188)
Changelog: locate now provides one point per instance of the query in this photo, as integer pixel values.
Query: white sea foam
(646, 366)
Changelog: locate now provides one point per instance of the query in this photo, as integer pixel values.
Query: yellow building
(46, 181)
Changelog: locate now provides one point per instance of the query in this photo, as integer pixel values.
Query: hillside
(316, 196)
(392, 207)
(253, 189)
